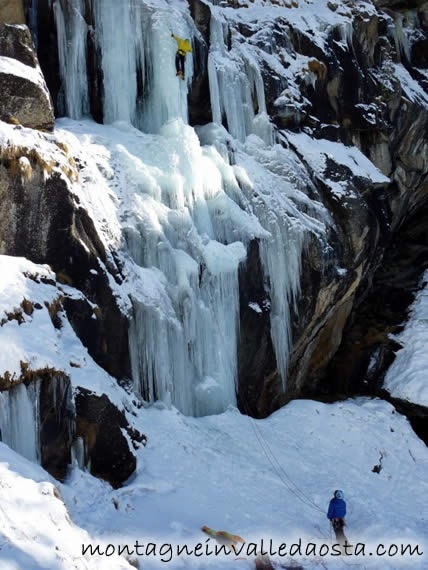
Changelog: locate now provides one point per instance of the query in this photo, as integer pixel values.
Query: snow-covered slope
(29, 294)
(35, 527)
(268, 478)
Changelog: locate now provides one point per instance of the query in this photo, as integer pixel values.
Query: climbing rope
(287, 482)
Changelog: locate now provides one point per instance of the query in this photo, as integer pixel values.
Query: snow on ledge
(11, 66)
(317, 152)
(33, 339)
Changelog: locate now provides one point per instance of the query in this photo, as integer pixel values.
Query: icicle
(78, 453)
(275, 202)
(33, 20)
(346, 32)
(236, 88)
(399, 35)
(281, 261)
(190, 226)
(118, 28)
(72, 33)
(167, 94)
(183, 339)
(20, 421)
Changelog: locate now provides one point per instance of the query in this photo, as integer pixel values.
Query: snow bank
(216, 471)
(36, 531)
(407, 377)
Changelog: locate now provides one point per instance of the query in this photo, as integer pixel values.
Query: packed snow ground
(407, 377)
(215, 471)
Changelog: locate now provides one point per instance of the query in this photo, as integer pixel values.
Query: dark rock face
(99, 423)
(367, 348)
(57, 422)
(349, 80)
(25, 98)
(96, 85)
(47, 51)
(199, 95)
(41, 220)
(257, 387)
(417, 415)
(16, 42)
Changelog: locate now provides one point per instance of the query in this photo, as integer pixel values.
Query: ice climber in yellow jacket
(180, 58)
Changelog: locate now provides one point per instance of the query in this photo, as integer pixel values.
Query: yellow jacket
(183, 45)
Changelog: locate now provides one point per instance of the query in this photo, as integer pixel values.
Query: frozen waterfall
(194, 199)
(184, 335)
(72, 49)
(236, 87)
(137, 55)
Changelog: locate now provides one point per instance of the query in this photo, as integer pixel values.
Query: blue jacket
(336, 509)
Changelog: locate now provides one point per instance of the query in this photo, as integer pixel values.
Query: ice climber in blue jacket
(336, 514)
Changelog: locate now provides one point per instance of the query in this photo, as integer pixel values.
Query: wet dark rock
(95, 73)
(257, 387)
(416, 414)
(47, 51)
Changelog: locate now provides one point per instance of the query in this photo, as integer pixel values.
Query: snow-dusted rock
(25, 98)
(44, 368)
(42, 219)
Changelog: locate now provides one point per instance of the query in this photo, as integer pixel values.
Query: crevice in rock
(367, 349)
